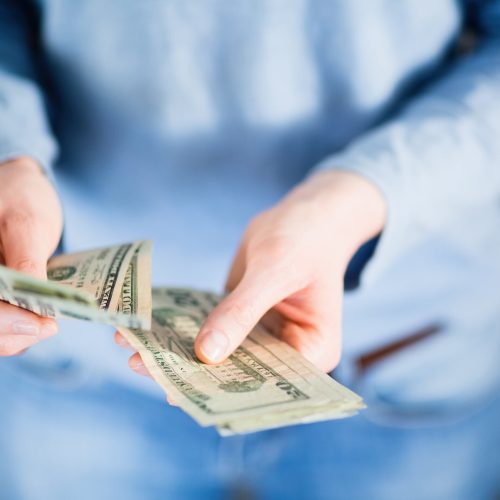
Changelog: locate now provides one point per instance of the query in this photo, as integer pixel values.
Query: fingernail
(137, 364)
(171, 402)
(121, 341)
(214, 344)
(26, 328)
(140, 368)
(48, 330)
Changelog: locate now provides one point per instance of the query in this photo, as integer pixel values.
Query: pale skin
(30, 229)
(288, 271)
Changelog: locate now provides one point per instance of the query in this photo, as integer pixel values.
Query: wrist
(24, 163)
(350, 207)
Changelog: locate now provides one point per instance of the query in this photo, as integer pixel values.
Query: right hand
(30, 229)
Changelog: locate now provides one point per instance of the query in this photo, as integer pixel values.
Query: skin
(30, 229)
(288, 271)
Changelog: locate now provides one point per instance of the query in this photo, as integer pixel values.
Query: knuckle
(14, 219)
(277, 263)
(256, 222)
(25, 265)
(278, 254)
(277, 248)
(244, 315)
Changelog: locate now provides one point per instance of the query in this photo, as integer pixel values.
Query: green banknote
(264, 384)
(106, 285)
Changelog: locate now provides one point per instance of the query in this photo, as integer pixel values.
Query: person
(359, 144)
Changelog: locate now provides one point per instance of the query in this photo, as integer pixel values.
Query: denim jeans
(66, 436)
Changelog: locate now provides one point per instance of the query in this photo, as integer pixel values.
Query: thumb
(234, 318)
(24, 244)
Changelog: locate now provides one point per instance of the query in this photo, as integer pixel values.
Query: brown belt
(371, 358)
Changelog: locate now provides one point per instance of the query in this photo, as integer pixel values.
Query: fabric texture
(179, 121)
(102, 440)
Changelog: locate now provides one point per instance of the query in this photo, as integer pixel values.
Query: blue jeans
(98, 439)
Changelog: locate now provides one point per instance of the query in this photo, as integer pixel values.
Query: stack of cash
(264, 384)
(108, 285)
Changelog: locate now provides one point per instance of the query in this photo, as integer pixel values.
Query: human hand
(289, 269)
(30, 229)
(288, 272)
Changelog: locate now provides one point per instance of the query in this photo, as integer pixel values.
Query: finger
(12, 346)
(315, 326)
(322, 347)
(233, 319)
(16, 321)
(20, 329)
(237, 269)
(122, 341)
(24, 244)
(273, 322)
(135, 363)
(171, 402)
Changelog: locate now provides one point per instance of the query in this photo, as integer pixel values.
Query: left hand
(289, 269)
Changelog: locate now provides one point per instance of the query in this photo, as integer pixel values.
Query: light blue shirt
(178, 121)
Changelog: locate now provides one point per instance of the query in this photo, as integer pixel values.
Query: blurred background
(180, 121)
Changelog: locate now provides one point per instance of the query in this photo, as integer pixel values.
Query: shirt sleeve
(440, 156)
(24, 127)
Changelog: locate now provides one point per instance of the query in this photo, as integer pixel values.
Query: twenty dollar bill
(264, 384)
(106, 285)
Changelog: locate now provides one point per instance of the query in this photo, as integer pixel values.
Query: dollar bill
(106, 285)
(264, 384)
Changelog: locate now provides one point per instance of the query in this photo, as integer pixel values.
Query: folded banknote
(264, 384)
(106, 285)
